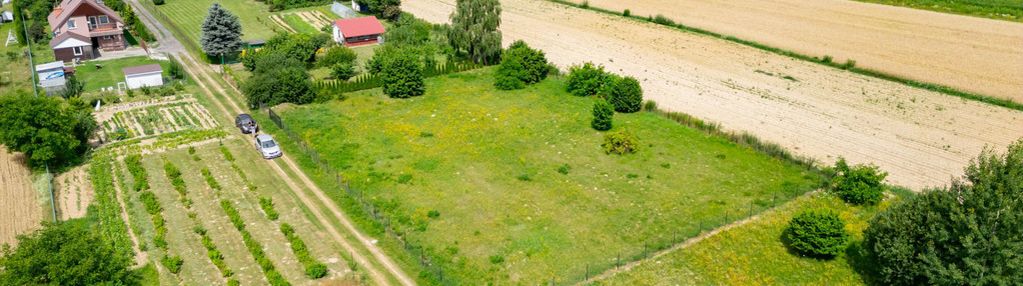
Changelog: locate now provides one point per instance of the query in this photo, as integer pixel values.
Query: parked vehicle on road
(246, 124)
(267, 146)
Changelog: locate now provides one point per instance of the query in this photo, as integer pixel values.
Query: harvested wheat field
(922, 138)
(20, 210)
(974, 54)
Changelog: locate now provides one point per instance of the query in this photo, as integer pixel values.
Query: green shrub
(343, 71)
(650, 105)
(858, 185)
(267, 204)
(337, 55)
(585, 80)
(210, 180)
(603, 113)
(401, 73)
(433, 214)
(621, 142)
(158, 2)
(521, 66)
(661, 19)
(563, 169)
(817, 233)
(624, 93)
(627, 13)
(172, 263)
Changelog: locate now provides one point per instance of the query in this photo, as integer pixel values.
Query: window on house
(106, 37)
(77, 51)
(103, 19)
(71, 24)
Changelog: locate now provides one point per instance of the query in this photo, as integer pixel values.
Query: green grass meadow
(111, 71)
(189, 15)
(753, 254)
(1011, 10)
(513, 186)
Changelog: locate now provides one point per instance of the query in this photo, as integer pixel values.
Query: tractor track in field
(226, 103)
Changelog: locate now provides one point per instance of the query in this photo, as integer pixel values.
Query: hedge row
(254, 247)
(138, 172)
(313, 269)
(174, 175)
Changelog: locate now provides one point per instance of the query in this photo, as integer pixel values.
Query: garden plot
(72, 193)
(20, 207)
(210, 176)
(920, 137)
(150, 118)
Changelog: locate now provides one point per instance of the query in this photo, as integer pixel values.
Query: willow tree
(474, 30)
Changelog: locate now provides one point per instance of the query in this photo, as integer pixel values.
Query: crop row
(267, 204)
(216, 257)
(174, 175)
(253, 246)
(138, 172)
(313, 269)
(230, 158)
(108, 209)
(210, 180)
(155, 211)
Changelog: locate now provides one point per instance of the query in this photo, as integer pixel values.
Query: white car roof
(264, 138)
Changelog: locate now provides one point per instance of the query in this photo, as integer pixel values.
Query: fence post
(750, 209)
(587, 272)
(619, 262)
(701, 227)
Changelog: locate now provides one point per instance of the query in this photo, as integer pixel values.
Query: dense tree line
(970, 233)
(67, 253)
(387, 9)
(47, 129)
(279, 71)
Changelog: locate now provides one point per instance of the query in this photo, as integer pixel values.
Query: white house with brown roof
(83, 28)
(141, 76)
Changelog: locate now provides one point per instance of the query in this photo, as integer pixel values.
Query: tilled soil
(20, 209)
(921, 138)
(973, 54)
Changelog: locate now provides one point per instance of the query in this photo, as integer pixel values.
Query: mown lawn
(189, 15)
(753, 254)
(472, 174)
(111, 71)
(15, 70)
(1011, 10)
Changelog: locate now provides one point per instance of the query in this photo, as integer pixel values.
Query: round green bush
(603, 113)
(858, 185)
(624, 93)
(621, 143)
(585, 80)
(817, 233)
(316, 271)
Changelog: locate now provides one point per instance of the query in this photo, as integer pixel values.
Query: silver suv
(267, 146)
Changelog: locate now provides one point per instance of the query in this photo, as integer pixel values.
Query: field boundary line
(688, 242)
(848, 66)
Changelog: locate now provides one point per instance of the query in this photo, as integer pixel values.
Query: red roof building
(358, 31)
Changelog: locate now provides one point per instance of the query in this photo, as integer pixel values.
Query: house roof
(142, 69)
(50, 66)
(62, 12)
(64, 36)
(362, 26)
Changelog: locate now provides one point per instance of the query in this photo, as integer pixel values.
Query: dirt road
(229, 101)
(969, 53)
(20, 209)
(922, 138)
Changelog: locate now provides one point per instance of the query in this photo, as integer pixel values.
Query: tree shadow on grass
(858, 259)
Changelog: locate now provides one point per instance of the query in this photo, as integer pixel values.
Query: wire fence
(667, 238)
(414, 250)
